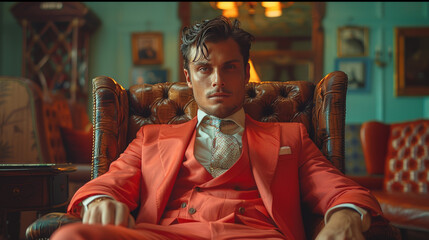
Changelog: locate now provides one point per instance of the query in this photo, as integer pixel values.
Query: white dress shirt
(205, 134)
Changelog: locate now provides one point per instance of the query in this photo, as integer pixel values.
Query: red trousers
(146, 231)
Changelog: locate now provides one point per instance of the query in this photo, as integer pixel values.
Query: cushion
(78, 144)
(410, 210)
(407, 158)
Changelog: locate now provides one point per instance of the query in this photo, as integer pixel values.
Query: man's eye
(203, 69)
(231, 66)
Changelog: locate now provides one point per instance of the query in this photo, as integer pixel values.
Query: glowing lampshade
(225, 5)
(271, 4)
(230, 13)
(273, 12)
(253, 75)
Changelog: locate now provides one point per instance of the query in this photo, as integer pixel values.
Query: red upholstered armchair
(119, 113)
(397, 161)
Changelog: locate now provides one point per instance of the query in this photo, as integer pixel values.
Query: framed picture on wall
(147, 48)
(412, 61)
(140, 75)
(358, 72)
(352, 42)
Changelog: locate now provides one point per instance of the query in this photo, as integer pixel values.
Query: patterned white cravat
(225, 148)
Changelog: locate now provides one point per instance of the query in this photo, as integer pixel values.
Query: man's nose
(217, 79)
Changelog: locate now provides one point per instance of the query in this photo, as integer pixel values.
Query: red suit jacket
(145, 174)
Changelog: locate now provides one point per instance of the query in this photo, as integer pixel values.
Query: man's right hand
(108, 211)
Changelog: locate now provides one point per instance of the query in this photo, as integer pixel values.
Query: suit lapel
(264, 145)
(172, 144)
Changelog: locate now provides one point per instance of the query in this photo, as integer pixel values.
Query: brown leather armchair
(397, 161)
(119, 113)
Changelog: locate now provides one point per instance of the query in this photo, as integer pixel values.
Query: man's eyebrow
(200, 63)
(233, 61)
(203, 62)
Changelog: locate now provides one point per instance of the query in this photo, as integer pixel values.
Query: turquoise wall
(111, 44)
(10, 42)
(381, 18)
(110, 52)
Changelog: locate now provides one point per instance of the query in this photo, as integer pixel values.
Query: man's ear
(187, 77)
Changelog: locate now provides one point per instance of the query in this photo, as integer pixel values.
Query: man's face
(218, 83)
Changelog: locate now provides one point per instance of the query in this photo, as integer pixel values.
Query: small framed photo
(358, 72)
(352, 42)
(140, 75)
(147, 48)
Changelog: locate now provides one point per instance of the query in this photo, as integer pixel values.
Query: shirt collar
(237, 117)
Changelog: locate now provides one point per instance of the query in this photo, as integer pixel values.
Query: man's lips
(219, 95)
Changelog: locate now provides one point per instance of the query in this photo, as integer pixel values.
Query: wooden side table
(30, 187)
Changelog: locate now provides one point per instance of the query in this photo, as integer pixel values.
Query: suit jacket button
(192, 211)
(241, 210)
(183, 205)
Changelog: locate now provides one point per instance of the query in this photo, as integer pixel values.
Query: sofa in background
(397, 162)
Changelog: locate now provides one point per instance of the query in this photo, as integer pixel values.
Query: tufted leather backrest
(173, 103)
(119, 113)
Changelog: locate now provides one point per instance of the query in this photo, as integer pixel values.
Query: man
(186, 190)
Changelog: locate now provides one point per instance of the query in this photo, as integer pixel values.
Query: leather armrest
(111, 105)
(382, 229)
(43, 227)
(330, 104)
(374, 137)
(372, 182)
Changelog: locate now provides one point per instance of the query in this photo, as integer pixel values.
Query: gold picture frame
(352, 41)
(411, 61)
(147, 48)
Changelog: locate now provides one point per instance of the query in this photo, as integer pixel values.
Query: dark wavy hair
(214, 30)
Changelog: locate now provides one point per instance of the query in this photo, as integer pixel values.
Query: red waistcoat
(230, 198)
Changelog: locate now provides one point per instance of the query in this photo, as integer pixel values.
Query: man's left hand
(344, 224)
